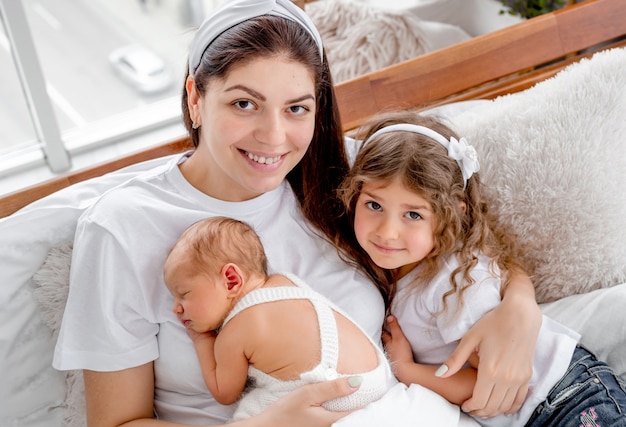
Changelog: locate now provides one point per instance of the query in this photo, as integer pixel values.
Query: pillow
(51, 287)
(32, 392)
(359, 39)
(554, 162)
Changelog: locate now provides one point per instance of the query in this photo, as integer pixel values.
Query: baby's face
(199, 301)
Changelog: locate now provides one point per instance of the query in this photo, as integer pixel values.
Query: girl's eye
(298, 110)
(413, 215)
(373, 206)
(244, 105)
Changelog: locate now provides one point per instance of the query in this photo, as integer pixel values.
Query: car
(141, 68)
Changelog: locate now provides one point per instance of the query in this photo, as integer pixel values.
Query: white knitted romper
(268, 389)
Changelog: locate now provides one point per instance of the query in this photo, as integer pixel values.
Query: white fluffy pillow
(554, 159)
(51, 283)
(359, 39)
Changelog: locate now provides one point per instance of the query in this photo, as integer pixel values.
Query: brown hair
(315, 179)
(213, 242)
(423, 165)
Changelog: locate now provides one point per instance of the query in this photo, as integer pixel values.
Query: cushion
(359, 39)
(554, 162)
(51, 287)
(33, 394)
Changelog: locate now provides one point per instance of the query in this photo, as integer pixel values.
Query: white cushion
(553, 161)
(32, 392)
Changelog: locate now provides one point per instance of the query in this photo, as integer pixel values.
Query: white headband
(464, 154)
(234, 12)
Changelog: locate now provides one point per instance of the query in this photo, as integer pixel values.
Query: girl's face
(256, 125)
(394, 225)
(201, 303)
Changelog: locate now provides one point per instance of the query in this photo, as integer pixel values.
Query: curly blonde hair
(424, 167)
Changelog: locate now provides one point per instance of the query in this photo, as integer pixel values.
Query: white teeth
(262, 159)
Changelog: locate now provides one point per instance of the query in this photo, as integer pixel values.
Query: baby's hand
(197, 337)
(397, 346)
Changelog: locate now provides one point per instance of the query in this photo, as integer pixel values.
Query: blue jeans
(588, 395)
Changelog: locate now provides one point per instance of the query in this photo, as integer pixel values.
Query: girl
(422, 228)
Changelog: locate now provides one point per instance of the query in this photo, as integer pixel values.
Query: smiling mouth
(385, 249)
(262, 159)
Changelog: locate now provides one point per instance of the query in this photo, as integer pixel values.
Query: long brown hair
(315, 179)
(424, 167)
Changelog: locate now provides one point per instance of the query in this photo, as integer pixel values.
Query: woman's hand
(302, 407)
(505, 341)
(118, 398)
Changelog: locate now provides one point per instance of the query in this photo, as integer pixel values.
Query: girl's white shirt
(433, 337)
(119, 312)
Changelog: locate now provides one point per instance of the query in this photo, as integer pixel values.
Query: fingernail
(355, 381)
(389, 319)
(441, 370)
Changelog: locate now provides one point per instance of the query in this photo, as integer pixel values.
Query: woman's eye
(373, 206)
(298, 110)
(413, 215)
(243, 105)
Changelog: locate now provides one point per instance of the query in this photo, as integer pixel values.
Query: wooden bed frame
(487, 66)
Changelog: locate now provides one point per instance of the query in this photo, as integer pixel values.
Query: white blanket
(404, 406)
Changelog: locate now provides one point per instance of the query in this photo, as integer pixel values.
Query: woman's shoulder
(146, 190)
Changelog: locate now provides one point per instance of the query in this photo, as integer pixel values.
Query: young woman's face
(256, 125)
(394, 225)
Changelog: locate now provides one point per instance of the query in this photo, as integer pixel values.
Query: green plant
(530, 8)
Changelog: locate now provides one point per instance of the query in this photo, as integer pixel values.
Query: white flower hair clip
(459, 150)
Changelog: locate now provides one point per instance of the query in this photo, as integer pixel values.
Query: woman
(259, 105)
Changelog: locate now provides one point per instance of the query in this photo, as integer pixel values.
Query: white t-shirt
(119, 312)
(433, 337)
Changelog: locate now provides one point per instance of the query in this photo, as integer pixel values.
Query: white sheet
(404, 406)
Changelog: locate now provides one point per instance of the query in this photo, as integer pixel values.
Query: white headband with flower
(459, 150)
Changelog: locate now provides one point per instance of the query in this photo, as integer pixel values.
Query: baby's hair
(424, 167)
(213, 242)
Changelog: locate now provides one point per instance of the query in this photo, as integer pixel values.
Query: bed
(544, 102)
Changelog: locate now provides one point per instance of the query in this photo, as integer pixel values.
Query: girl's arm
(505, 340)
(125, 399)
(456, 388)
(223, 364)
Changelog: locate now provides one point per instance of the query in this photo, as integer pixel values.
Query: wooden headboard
(501, 62)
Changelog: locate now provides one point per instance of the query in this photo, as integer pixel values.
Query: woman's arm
(456, 388)
(125, 399)
(505, 340)
(120, 397)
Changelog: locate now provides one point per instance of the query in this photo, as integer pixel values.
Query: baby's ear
(232, 276)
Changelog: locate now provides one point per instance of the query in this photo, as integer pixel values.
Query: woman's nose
(271, 129)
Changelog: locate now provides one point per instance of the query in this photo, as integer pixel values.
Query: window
(88, 81)
(16, 128)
